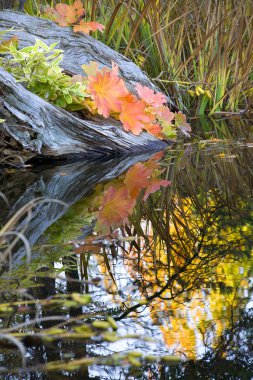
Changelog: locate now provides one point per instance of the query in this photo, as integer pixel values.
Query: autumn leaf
(69, 15)
(65, 14)
(91, 69)
(164, 114)
(155, 185)
(169, 131)
(115, 69)
(5, 44)
(180, 122)
(79, 9)
(155, 130)
(115, 208)
(133, 115)
(157, 156)
(62, 14)
(106, 89)
(137, 178)
(87, 27)
(150, 97)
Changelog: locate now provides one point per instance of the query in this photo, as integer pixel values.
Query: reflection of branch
(158, 294)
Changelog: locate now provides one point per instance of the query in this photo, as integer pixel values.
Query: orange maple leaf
(106, 89)
(79, 9)
(133, 115)
(154, 129)
(64, 14)
(150, 97)
(87, 27)
(115, 208)
(137, 178)
(155, 185)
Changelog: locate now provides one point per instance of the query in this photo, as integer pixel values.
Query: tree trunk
(43, 128)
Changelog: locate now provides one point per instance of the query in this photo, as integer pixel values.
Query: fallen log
(43, 128)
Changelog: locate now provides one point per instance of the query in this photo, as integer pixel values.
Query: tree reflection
(181, 265)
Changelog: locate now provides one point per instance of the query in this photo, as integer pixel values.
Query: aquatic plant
(183, 261)
(200, 53)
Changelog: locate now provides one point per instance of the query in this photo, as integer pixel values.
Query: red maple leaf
(150, 97)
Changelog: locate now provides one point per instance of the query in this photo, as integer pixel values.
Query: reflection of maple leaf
(157, 156)
(180, 122)
(87, 27)
(137, 178)
(155, 185)
(106, 89)
(133, 116)
(116, 207)
(150, 97)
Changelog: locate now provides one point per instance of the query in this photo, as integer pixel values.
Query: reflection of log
(66, 182)
(43, 128)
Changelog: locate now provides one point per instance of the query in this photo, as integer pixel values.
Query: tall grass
(199, 52)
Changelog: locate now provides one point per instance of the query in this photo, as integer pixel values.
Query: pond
(134, 267)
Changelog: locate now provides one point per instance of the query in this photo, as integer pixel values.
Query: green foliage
(38, 67)
(199, 52)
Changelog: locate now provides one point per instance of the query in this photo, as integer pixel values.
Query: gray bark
(49, 130)
(78, 48)
(45, 129)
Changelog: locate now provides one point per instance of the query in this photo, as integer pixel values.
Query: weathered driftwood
(45, 129)
(67, 182)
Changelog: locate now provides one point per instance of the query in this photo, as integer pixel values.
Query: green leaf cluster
(38, 67)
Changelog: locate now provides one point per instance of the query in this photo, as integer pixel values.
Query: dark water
(177, 277)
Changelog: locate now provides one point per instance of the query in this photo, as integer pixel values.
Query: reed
(200, 53)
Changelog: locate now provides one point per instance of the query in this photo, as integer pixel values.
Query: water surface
(177, 277)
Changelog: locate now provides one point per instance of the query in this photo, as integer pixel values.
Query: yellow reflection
(192, 320)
